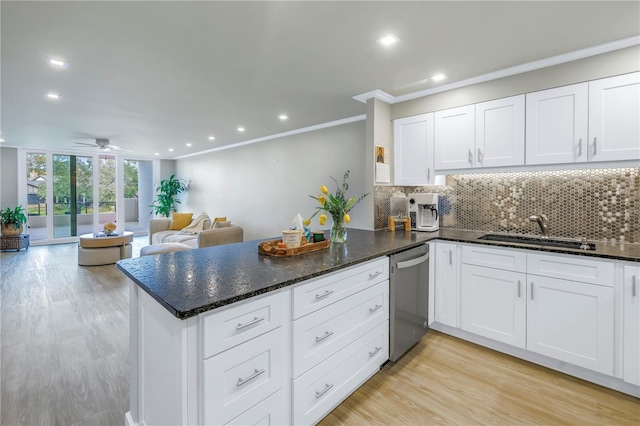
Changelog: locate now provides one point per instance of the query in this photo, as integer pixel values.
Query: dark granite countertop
(188, 283)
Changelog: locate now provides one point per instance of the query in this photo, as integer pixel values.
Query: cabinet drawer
(315, 294)
(506, 259)
(243, 321)
(319, 390)
(270, 412)
(243, 376)
(323, 333)
(574, 268)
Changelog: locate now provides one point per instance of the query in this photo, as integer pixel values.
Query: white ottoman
(163, 248)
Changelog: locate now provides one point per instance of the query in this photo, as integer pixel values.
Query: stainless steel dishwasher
(409, 299)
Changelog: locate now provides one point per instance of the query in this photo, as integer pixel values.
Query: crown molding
(507, 72)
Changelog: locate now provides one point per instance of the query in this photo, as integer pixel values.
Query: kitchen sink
(540, 241)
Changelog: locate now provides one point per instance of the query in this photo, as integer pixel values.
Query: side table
(17, 242)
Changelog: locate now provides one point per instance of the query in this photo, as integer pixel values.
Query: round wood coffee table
(100, 249)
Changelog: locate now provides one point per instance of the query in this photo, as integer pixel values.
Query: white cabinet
(614, 118)
(446, 283)
(455, 138)
(492, 294)
(413, 150)
(557, 125)
(500, 132)
(631, 325)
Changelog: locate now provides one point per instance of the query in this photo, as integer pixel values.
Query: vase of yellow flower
(338, 206)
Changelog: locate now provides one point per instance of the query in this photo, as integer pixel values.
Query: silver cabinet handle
(375, 274)
(480, 160)
(326, 334)
(470, 157)
(580, 147)
(326, 389)
(255, 320)
(255, 374)
(531, 291)
(375, 351)
(323, 295)
(595, 141)
(519, 290)
(428, 173)
(633, 286)
(450, 258)
(372, 310)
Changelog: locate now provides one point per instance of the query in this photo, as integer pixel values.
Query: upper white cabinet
(413, 150)
(488, 134)
(557, 125)
(500, 132)
(614, 118)
(631, 326)
(455, 138)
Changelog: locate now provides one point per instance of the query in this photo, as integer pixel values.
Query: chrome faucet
(542, 222)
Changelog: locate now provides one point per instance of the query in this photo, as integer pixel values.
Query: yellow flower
(307, 222)
(324, 189)
(323, 219)
(347, 218)
(322, 200)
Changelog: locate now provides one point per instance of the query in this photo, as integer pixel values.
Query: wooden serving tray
(271, 248)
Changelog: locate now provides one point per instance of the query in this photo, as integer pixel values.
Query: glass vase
(338, 231)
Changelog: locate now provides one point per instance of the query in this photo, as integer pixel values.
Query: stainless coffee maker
(423, 210)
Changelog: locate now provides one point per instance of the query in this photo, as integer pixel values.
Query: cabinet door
(500, 132)
(455, 138)
(413, 150)
(631, 327)
(571, 321)
(556, 125)
(493, 304)
(446, 284)
(614, 118)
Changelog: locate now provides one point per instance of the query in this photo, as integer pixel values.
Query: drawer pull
(255, 320)
(633, 286)
(326, 334)
(531, 290)
(255, 374)
(375, 274)
(375, 351)
(327, 388)
(372, 310)
(519, 291)
(323, 295)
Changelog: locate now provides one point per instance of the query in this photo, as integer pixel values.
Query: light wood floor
(64, 361)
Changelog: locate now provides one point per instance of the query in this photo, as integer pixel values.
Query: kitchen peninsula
(220, 334)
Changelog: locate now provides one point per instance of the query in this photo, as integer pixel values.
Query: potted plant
(11, 221)
(167, 198)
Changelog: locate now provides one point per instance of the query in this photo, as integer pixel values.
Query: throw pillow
(222, 224)
(217, 219)
(180, 220)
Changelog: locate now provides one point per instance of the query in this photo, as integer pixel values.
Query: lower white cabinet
(446, 284)
(270, 412)
(493, 304)
(631, 324)
(571, 321)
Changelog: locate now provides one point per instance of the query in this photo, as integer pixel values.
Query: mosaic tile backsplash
(600, 204)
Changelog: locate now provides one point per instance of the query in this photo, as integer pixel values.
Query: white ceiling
(157, 75)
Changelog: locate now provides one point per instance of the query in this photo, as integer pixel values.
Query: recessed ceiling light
(283, 117)
(388, 40)
(188, 144)
(241, 129)
(1, 140)
(212, 138)
(157, 153)
(59, 63)
(438, 77)
(54, 96)
(170, 149)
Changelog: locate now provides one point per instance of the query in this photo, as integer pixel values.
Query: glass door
(138, 194)
(36, 163)
(72, 195)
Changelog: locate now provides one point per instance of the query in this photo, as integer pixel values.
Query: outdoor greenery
(167, 198)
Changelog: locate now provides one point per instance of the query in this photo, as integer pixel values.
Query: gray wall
(8, 177)
(262, 186)
(609, 64)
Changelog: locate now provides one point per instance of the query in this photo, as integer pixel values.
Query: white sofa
(160, 233)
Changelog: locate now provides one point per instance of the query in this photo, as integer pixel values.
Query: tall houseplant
(167, 198)
(11, 221)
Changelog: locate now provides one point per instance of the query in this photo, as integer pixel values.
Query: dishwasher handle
(412, 262)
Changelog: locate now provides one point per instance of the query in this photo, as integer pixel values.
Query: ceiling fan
(104, 144)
